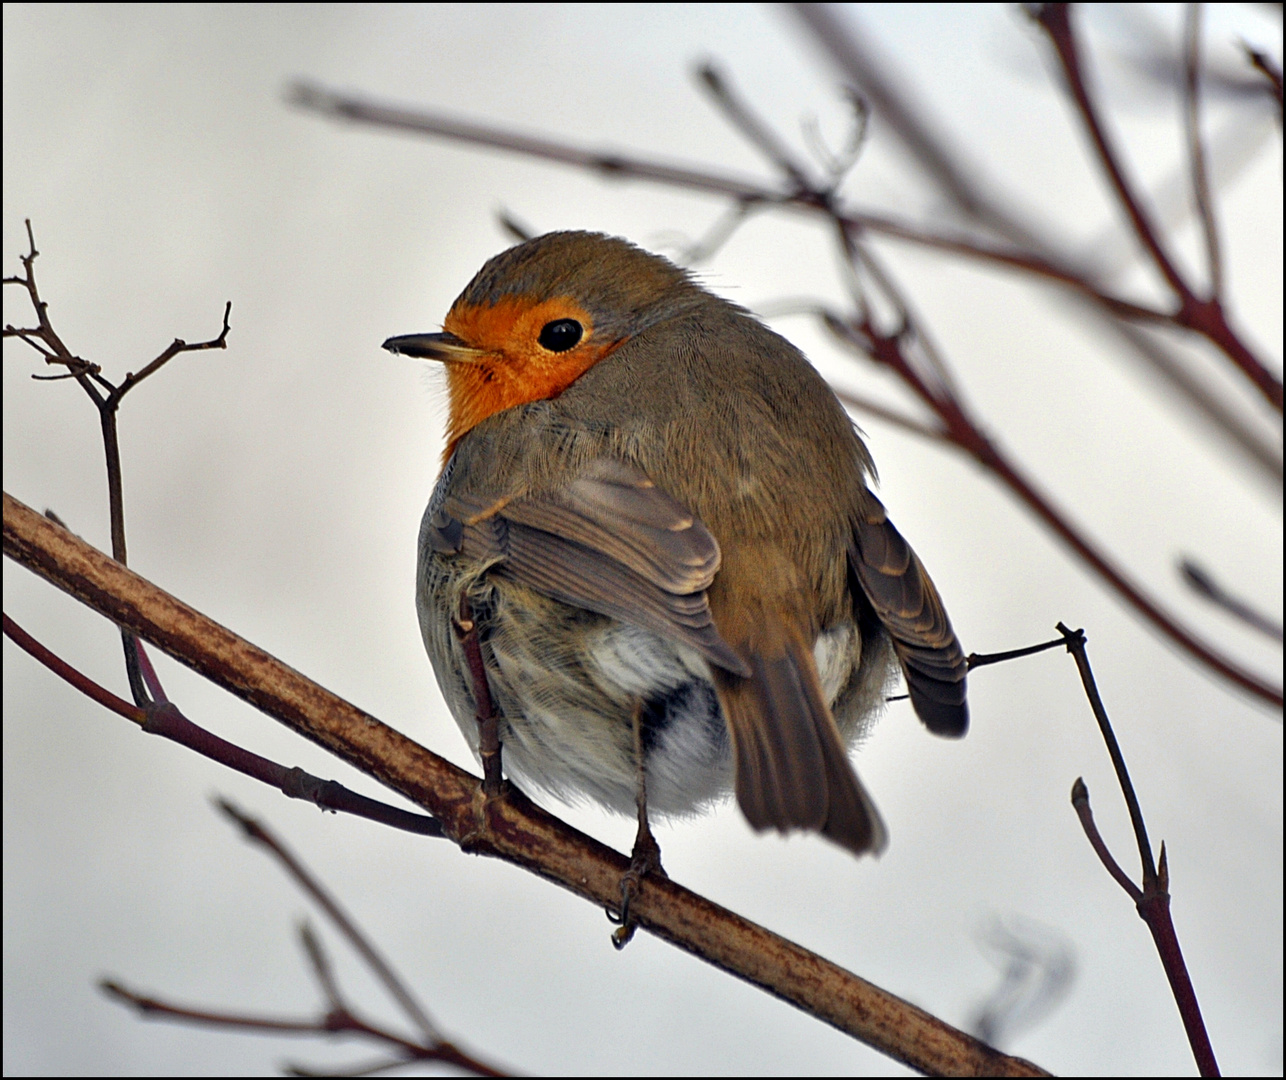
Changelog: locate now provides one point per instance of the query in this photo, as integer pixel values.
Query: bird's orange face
(517, 350)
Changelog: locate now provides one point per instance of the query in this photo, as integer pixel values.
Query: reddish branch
(1152, 900)
(163, 718)
(1203, 315)
(959, 429)
(799, 193)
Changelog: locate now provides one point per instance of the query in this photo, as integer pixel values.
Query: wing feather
(905, 601)
(610, 542)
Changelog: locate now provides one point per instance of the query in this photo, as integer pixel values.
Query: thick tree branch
(509, 827)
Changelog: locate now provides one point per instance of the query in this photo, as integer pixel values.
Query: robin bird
(654, 515)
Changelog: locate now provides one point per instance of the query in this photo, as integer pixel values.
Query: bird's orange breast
(512, 367)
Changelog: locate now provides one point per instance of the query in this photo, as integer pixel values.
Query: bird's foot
(645, 859)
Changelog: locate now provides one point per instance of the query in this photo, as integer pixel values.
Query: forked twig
(1152, 900)
(106, 398)
(338, 1016)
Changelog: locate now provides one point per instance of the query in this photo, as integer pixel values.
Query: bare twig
(345, 107)
(761, 135)
(1204, 584)
(106, 398)
(1081, 804)
(897, 419)
(258, 833)
(1263, 63)
(893, 102)
(337, 1020)
(1203, 315)
(1152, 900)
(1027, 248)
(162, 718)
(1075, 640)
(976, 660)
(1197, 148)
(960, 429)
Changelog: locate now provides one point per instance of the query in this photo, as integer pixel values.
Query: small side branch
(163, 718)
(1197, 149)
(1152, 901)
(1204, 584)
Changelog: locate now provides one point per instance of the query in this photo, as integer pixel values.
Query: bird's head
(538, 316)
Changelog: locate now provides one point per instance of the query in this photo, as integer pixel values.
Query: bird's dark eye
(560, 335)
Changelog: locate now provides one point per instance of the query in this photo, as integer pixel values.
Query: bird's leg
(646, 857)
(488, 719)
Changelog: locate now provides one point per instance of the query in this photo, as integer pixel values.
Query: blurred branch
(258, 833)
(344, 107)
(1263, 63)
(855, 55)
(1204, 584)
(509, 827)
(339, 1016)
(1202, 315)
(1197, 150)
(1029, 249)
(958, 427)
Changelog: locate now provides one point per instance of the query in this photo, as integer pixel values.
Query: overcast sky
(278, 486)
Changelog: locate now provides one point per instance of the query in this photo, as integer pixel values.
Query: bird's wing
(905, 601)
(610, 542)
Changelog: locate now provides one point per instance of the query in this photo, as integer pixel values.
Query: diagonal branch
(162, 718)
(509, 827)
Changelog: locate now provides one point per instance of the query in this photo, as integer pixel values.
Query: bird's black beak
(445, 347)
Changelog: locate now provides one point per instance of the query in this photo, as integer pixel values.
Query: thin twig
(319, 961)
(1204, 584)
(1075, 641)
(959, 428)
(964, 184)
(974, 660)
(1081, 803)
(1204, 315)
(1197, 148)
(894, 103)
(906, 423)
(54, 351)
(1263, 63)
(609, 163)
(760, 135)
(162, 718)
(1152, 901)
(335, 1021)
(1056, 21)
(257, 832)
